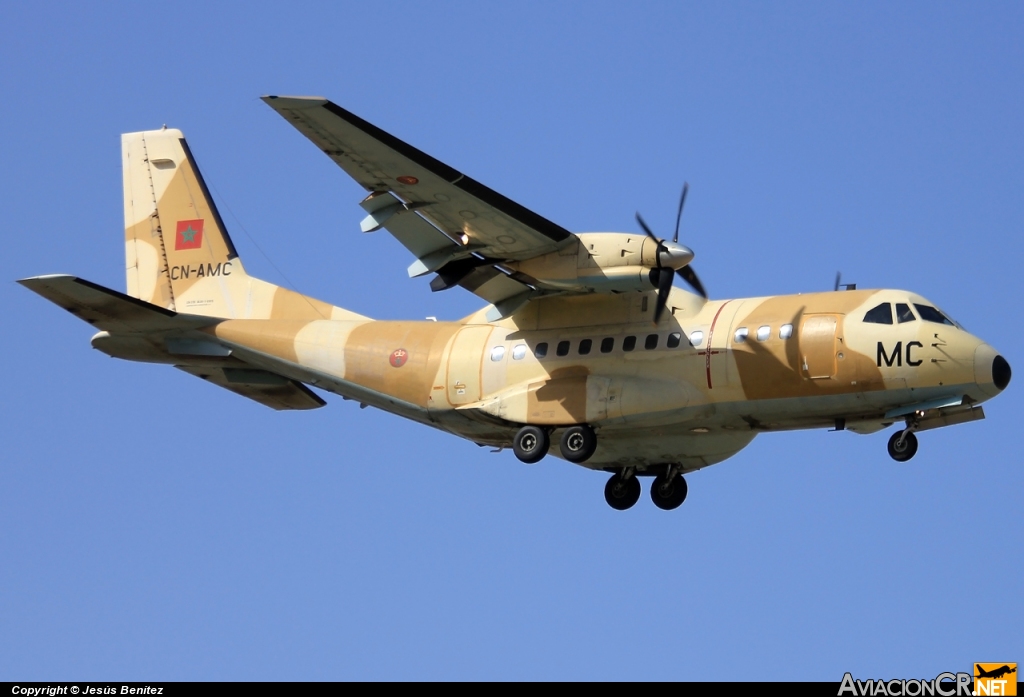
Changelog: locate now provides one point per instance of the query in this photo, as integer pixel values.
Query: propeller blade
(646, 229)
(679, 215)
(689, 275)
(664, 288)
(661, 242)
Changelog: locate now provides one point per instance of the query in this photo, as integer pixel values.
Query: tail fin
(174, 235)
(178, 252)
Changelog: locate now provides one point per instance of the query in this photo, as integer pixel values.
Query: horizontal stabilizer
(109, 309)
(269, 389)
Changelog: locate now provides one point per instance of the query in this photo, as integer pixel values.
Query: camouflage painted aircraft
(585, 349)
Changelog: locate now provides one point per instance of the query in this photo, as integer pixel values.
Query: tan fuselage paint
(483, 380)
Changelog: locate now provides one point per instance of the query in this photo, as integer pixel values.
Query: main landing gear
(577, 445)
(622, 490)
(668, 490)
(531, 444)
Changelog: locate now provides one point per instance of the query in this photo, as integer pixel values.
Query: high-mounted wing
(454, 225)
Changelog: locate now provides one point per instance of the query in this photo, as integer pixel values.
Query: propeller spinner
(671, 257)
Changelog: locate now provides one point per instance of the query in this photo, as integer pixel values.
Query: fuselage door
(465, 364)
(818, 346)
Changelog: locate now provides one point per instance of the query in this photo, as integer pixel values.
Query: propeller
(678, 258)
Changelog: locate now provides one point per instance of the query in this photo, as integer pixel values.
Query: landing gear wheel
(578, 443)
(668, 495)
(622, 494)
(901, 452)
(531, 444)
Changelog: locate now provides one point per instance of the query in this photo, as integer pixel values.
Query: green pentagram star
(188, 234)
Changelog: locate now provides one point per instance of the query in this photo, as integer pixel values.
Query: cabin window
(497, 353)
(763, 332)
(903, 313)
(607, 344)
(541, 350)
(930, 314)
(563, 348)
(518, 352)
(651, 342)
(629, 343)
(879, 315)
(585, 346)
(785, 331)
(696, 339)
(741, 335)
(673, 339)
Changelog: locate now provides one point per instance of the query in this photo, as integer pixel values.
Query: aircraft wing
(453, 224)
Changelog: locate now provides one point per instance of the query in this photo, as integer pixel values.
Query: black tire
(620, 494)
(531, 444)
(671, 496)
(578, 443)
(901, 452)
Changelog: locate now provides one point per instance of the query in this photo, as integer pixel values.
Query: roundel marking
(399, 357)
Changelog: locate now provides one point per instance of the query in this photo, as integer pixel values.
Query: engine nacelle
(604, 262)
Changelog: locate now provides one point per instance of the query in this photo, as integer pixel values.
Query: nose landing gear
(902, 445)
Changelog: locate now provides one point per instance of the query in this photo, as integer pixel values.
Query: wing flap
(269, 389)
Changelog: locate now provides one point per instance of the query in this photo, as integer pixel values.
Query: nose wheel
(902, 445)
(622, 490)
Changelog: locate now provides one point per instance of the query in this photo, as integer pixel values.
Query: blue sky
(155, 527)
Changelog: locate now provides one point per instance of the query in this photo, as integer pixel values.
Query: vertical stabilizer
(177, 251)
(174, 236)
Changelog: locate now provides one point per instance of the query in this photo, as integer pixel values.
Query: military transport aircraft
(585, 349)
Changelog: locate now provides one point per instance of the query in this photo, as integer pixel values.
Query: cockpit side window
(903, 313)
(930, 314)
(879, 315)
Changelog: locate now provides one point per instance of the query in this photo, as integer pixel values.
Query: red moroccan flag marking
(189, 234)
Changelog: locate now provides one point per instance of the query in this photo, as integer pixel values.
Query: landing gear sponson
(577, 445)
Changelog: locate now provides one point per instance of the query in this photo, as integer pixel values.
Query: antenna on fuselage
(846, 286)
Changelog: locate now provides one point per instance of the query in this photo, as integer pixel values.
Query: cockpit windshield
(930, 314)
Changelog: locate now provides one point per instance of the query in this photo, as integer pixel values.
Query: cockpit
(884, 314)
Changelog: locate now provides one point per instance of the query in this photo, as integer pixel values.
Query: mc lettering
(897, 355)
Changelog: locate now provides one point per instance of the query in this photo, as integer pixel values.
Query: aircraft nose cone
(991, 371)
(1000, 372)
(675, 255)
